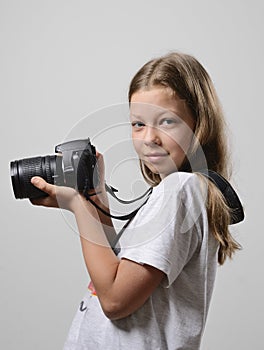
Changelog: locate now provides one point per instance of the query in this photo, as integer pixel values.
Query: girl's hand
(101, 171)
(58, 196)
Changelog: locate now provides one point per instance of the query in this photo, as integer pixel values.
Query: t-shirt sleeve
(171, 231)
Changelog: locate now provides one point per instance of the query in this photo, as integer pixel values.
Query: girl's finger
(42, 185)
(101, 166)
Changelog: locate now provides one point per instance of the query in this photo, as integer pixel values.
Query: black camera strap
(230, 195)
(118, 217)
(112, 191)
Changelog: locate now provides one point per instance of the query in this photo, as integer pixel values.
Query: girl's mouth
(155, 157)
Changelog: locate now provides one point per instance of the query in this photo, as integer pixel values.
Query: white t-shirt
(170, 232)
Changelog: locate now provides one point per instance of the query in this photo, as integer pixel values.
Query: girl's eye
(168, 121)
(137, 125)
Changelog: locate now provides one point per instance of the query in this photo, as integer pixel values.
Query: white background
(62, 60)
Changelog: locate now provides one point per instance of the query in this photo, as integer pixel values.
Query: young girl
(156, 292)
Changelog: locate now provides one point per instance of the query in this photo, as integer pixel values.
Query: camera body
(74, 165)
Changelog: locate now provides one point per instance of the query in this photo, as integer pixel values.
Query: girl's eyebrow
(135, 116)
(159, 115)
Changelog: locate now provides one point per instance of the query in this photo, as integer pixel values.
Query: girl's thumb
(38, 182)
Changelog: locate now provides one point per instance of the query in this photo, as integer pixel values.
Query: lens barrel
(47, 167)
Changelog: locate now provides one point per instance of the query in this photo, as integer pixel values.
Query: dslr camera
(74, 165)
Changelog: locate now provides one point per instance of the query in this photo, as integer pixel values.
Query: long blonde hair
(187, 78)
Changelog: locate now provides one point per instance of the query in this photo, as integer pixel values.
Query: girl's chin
(161, 172)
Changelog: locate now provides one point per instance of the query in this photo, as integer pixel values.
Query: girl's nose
(152, 136)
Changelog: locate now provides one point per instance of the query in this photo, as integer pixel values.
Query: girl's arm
(122, 286)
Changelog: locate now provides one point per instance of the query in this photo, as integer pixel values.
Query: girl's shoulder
(181, 181)
(183, 187)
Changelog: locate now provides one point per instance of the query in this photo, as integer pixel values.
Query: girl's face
(162, 129)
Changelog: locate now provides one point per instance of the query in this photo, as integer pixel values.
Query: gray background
(62, 60)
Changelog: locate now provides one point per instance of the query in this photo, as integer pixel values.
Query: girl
(156, 292)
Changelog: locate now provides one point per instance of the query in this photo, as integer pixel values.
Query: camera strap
(111, 190)
(230, 195)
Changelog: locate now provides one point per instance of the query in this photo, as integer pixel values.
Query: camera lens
(48, 167)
